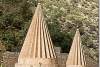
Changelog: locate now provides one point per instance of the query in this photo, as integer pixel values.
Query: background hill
(62, 17)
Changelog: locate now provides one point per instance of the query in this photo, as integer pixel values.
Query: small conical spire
(38, 47)
(77, 29)
(76, 57)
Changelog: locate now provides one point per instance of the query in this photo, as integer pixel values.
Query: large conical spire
(37, 48)
(76, 57)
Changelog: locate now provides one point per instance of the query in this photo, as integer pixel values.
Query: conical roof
(37, 47)
(76, 57)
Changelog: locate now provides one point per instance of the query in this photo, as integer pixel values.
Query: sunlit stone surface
(76, 57)
(37, 50)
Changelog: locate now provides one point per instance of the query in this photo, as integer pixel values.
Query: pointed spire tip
(77, 29)
(39, 3)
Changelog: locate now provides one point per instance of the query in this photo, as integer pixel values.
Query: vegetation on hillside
(62, 17)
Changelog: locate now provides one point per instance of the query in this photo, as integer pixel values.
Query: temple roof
(37, 43)
(76, 56)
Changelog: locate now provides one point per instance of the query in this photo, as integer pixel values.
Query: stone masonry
(10, 58)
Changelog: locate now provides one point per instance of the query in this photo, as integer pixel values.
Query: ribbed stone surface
(38, 47)
(76, 57)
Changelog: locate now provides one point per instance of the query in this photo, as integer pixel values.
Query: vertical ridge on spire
(76, 56)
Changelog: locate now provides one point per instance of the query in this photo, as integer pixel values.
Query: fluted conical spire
(76, 57)
(37, 48)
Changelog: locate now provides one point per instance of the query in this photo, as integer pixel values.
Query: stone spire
(76, 57)
(37, 48)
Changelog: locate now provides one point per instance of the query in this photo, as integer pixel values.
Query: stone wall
(61, 57)
(10, 58)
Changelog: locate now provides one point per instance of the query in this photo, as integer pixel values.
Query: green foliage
(14, 23)
(10, 1)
